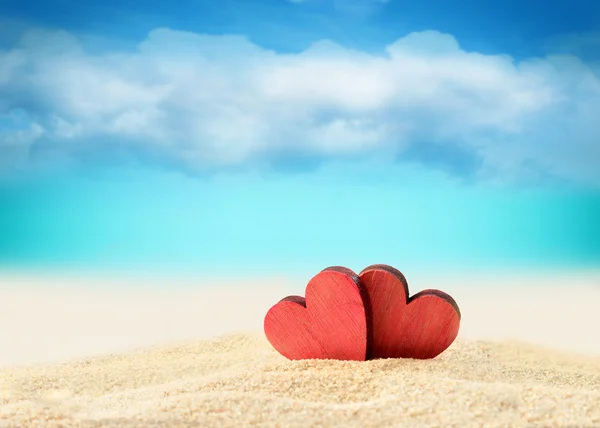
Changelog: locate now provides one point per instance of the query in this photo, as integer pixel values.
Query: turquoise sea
(149, 220)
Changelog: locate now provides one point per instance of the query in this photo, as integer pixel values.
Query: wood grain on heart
(421, 326)
(329, 323)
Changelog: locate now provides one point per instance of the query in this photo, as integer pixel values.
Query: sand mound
(239, 380)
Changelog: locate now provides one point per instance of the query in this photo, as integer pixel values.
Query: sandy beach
(99, 356)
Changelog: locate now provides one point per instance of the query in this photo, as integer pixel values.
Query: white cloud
(220, 100)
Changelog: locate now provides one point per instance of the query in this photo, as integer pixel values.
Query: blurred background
(281, 137)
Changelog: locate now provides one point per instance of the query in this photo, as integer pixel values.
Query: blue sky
(299, 134)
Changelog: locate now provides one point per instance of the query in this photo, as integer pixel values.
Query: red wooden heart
(331, 323)
(421, 327)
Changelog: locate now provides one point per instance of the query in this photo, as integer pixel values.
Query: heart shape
(330, 323)
(421, 327)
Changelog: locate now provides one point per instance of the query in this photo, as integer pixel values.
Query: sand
(238, 380)
(185, 376)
